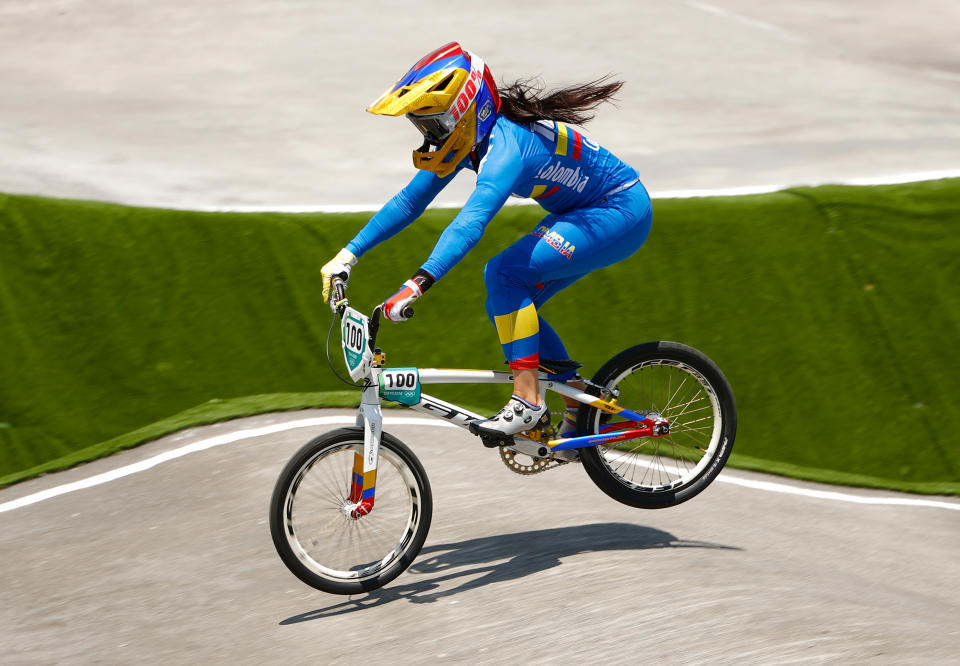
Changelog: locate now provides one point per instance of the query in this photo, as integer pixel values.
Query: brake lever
(374, 326)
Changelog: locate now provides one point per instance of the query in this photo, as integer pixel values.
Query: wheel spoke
(681, 395)
(318, 530)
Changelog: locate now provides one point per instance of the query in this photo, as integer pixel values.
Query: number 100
(401, 380)
(354, 337)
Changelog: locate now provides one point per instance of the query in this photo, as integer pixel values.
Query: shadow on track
(495, 559)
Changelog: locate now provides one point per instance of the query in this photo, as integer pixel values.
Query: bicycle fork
(364, 478)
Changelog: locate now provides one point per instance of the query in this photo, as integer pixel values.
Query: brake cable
(333, 323)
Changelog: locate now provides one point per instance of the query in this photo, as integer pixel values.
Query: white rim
(662, 464)
(368, 545)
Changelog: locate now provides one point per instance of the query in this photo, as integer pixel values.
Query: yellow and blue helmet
(451, 97)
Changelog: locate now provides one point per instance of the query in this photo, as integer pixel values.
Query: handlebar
(338, 285)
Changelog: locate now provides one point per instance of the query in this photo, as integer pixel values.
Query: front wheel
(686, 388)
(322, 541)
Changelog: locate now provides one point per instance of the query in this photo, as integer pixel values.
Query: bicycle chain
(539, 465)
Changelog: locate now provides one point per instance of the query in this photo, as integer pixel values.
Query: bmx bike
(351, 509)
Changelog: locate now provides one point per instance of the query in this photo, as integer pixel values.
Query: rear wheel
(690, 392)
(313, 526)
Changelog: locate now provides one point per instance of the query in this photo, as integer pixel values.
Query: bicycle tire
(321, 543)
(689, 390)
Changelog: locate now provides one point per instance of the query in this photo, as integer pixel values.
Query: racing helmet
(451, 97)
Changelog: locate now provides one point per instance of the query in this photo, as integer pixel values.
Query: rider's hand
(339, 265)
(397, 307)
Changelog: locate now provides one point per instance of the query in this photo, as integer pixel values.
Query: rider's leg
(511, 309)
(526, 385)
(573, 245)
(513, 313)
(559, 251)
(551, 346)
(548, 345)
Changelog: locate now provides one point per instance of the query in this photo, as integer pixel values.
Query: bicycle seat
(559, 367)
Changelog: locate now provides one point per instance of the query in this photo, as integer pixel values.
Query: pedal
(542, 431)
(495, 441)
(489, 440)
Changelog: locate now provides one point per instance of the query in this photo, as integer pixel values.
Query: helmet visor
(435, 127)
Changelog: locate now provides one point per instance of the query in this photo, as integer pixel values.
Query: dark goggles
(436, 127)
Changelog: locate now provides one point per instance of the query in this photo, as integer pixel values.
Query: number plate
(401, 385)
(356, 351)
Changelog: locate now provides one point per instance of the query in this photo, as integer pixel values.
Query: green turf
(213, 411)
(833, 311)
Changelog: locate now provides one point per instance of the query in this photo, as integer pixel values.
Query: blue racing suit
(599, 214)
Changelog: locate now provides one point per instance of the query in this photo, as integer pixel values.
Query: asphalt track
(173, 563)
(246, 103)
(251, 104)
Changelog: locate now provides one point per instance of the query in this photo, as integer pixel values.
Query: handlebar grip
(338, 288)
(338, 285)
(407, 312)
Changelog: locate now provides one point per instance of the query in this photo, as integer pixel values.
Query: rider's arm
(400, 211)
(496, 179)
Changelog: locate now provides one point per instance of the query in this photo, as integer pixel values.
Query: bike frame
(403, 385)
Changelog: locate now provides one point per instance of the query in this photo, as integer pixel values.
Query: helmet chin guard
(450, 96)
(443, 159)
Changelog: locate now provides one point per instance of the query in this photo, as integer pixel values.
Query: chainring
(538, 465)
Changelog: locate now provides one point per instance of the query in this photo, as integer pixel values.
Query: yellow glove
(339, 265)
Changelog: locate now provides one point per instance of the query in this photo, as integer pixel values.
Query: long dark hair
(524, 101)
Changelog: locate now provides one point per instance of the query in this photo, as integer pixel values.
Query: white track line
(201, 445)
(806, 492)
(832, 495)
(239, 435)
(745, 20)
(897, 179)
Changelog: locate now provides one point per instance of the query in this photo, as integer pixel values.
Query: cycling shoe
(517, 416)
